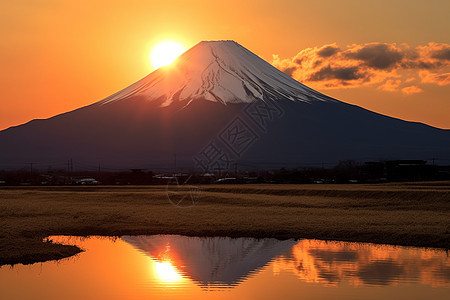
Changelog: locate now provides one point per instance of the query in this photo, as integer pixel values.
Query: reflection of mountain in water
(212, 260)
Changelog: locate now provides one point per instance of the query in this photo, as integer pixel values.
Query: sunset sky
(389, 56)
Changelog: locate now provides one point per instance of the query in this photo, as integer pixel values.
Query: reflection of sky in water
(179, 267)
(331, 263)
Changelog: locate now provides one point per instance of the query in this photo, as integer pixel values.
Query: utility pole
(31, 170)
(175, 161)
(31, 167)
(219, 168)
(68, 172)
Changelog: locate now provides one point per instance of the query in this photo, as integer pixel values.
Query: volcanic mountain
(217, 106)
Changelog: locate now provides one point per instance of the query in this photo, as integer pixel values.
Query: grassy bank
(405, 214)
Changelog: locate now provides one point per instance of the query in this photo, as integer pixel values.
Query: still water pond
(179, 267)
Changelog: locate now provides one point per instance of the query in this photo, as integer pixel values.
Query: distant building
(86, 181)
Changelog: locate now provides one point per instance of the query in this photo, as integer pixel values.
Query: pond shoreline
(406, 214)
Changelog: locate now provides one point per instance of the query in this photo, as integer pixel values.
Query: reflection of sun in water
(166, 271)
(165, 53)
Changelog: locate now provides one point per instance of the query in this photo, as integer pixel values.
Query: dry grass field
(415, 214)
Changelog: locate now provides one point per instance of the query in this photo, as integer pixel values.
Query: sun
(166, 272)
(165, 53)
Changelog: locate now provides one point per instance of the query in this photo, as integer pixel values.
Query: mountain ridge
(218, 71)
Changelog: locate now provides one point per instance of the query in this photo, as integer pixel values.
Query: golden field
(413, 214)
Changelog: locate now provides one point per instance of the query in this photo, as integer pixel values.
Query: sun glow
(166, 272)
(165, 53)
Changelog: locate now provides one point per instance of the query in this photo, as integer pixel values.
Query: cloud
(440, 51)
(340, 73)
(409, 90)
(376, 55)
(289, 71)
(390, 85)
(439, 79)
(328, 50)
(388, 67)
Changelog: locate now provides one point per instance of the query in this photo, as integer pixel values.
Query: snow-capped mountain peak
(218, 71)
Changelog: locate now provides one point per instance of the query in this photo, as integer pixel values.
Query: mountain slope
(218, 71)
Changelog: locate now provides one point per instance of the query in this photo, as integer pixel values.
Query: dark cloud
(328, 51)
(388, 67)
(344, 73)
(377, 56)
(419, 64)
(299, 60)
(441, 54)
(317, 63)
(290, 71)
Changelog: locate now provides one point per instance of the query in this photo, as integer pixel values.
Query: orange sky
(56, 56)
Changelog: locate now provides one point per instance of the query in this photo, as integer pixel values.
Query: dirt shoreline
(408, 214)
